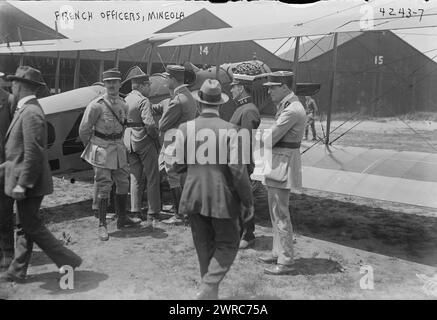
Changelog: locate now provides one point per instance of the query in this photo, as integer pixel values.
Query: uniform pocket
(99, 155)
(277, 169)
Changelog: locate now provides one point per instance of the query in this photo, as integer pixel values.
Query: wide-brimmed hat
(279, 78)
(210, 93)
(111, 74)
(28, 75)
(136, 73)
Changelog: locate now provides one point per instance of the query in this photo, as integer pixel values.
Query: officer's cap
(242, 79)
(111, 74)
(175, 71)
(279, 78)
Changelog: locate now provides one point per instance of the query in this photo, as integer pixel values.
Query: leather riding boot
(120, 209)
(103, 208)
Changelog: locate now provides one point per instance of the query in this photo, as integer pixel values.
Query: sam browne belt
(289, 145)
(112, 136)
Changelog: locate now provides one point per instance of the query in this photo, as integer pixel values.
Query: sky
(100, 18)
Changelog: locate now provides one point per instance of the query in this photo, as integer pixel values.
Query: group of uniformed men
(216, 199)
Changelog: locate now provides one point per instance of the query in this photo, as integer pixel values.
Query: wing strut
(217, 66)
(296, 63)
(76, 70)
(332, 93)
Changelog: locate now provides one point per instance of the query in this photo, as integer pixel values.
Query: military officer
(101, 130)
(311, 110)
(216, 192)
(140, 139)
(246, 116)
(181, 108)
(284, 171)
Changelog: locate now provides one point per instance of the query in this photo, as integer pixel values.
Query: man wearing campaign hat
(216, 193)
(140, 139)
(284, 172)
(180, 109)
(28, 177)
(246, 117)
(101, 131)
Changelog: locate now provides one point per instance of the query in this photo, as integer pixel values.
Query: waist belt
(134, 124)
(289, 145)
(112, 136)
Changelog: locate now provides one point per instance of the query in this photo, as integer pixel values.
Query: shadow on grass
(83, 281)
(138, 232)
(393, 233)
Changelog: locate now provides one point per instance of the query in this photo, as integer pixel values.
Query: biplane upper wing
(96, 43)
(353, 22)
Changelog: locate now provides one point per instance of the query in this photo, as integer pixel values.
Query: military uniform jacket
(141, 130)
(27, 161)
(215, 189)
(247, 116)
(109, 154)
(181, 108)
(285, 169)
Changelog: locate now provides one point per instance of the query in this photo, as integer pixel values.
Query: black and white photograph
(246, 151)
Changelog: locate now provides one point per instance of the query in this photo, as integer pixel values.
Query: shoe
(208, 292)
(136, 216)
(280, 270)
(314, 139)
(7, 277)
(245, 244)
(174, 220)
(268, 259)
(103, 233)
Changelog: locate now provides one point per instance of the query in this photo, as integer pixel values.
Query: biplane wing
(116, 42)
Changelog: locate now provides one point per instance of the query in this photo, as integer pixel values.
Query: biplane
(406, 177)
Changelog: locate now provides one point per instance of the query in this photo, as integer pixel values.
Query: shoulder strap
(110, 109)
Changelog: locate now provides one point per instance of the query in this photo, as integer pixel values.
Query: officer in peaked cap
(180, 109)
(284, 138)
(140, 139)
(101, 131)
(246, 117)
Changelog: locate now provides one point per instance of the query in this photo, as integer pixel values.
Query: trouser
(6, 228)
(281, 223)
(104, 178)
(310, 122)
(143, 166)
(216, 242)
(33, 230)
(248, 228)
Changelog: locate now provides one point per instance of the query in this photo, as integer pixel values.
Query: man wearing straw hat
(216, 192)
(284, 172)
(140, 139)
(28, 178)
(101, 131)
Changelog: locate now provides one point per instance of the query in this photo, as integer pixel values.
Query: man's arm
(34, 148)
(147, 117)
(92, 113)
(250, 120)
(171, 116)
(283, 124)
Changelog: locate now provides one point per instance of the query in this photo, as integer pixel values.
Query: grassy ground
(336, 235)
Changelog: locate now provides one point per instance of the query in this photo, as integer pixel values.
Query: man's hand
(18, 193)
(247, 213)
